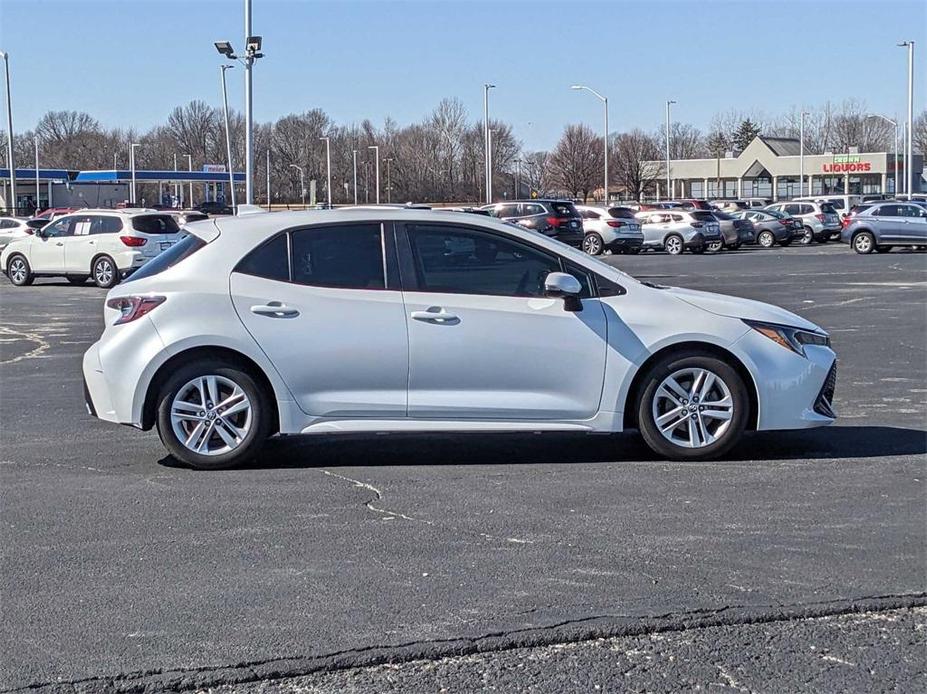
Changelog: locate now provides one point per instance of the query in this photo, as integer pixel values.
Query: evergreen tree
(744, 134)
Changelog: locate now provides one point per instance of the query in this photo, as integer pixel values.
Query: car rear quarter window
(888, 211)
(621, 213)
(180, 251)
(345, 257)
(702, 216)
(270, 260)
(155, 224)
(106, 225)
(533, 208)
(828, 208)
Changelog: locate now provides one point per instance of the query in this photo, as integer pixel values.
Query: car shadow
(344, 450)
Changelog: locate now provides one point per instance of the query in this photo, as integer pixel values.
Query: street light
(35, 141)
(801, 152)
(190, 169)
(670, 193)
(252, 53)
(228, 138)
(376, 151)
(389, 186)
(908, 149)
(354, 156)
(894, 146)
(487, 154)
(9, 127)
(328, 168)
(302, 182)
(604, 101)
(132, 166)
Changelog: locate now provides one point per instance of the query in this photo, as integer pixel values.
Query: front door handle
(59, 243)
(436, 315)
(274, 309)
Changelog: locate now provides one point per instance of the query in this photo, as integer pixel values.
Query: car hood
(734, 307)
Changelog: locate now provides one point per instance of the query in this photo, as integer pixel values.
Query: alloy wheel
(863, 243)
(692, 407)
(18, 271)
(592, 244)
(211, 415)
(673, 245)
(766, 239)
(103, 272)
(808, 237)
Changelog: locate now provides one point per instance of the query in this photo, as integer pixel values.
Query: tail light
(845, 222)
(819, 217)
(614, 223)
(553, 221)
(697, 225)
(134, 307)
(133, 241)
(785, 222)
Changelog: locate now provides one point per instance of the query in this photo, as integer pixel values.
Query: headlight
(793, 339)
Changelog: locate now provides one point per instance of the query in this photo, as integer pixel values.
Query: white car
(361, 321)
(13, 228)
(615, 229)
(105, 245)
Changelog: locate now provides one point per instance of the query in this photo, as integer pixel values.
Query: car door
(888, 224)
(485, 342)
(47, 250)
(78, 246)
(914, 227)
(329, 315)
(655, 227)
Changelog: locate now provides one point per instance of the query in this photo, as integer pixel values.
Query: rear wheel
(807, 238)
(104, 272)
(19, 272)
(864, 243)
(213, 415)
(692, 406)
(715, 246)
(593, 244)
(766, 239)
(673, 244)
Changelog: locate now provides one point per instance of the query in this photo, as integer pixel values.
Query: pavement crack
(377, 497)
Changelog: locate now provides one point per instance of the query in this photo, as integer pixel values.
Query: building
(770, 167)
(64, 188)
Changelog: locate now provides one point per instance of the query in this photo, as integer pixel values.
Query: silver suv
(678, 230)
(819, 219)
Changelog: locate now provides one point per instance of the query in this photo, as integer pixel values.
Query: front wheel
(693, 406)
(864, 243)
(766, 239)
(19, 272)
(593, 244)
(213, 415)
(104, 272)
(715, 246)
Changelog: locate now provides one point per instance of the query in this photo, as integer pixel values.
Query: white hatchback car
(105, 245)
(414, 320)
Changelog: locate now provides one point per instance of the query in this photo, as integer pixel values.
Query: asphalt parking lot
(440, 555)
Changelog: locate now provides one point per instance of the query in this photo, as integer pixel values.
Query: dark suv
(558, 219)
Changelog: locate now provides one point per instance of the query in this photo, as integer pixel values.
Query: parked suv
(819, 219)
(676, 231)
(883, 226)
(694, 204)
(558, 219)
(106, 245)
(615, 229)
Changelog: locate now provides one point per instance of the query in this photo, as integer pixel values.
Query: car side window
(888, 211)
(106, 225)
(457, 260)
(270, 260)
(533, 208)
(62, 227)
(909, 211)
(507, 210)
(347, 257)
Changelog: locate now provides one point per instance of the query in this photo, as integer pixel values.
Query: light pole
(894, 146)
(376, 152)
(669, 193)
(190, 169)
(487, 153)
(268, 180)
(328, 168)
(908, 149)
(302, 182)
(252, 53)
(35, 140)
(354, 156)
(389, 185)
(9, 129)
(604, 101)
(801, 153)
(132, 166)
(228, 137)
(517, 179)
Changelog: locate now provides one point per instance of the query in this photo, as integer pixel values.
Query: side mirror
(560, 285)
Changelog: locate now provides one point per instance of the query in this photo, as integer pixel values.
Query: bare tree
(919, 139)
(636, 161)
(576, 162)
(535, 171)
(686, 141)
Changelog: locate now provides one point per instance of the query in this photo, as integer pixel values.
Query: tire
(883, 249)
(19, 272)
(673, 244)
(766, 239)
(715, 247)
(104, 272)
(218, 446)
(657, 402)
(863, 243)
(77, 279)
(808, 238)
(593, 243)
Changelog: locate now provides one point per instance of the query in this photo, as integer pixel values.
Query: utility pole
(354, 156)
(487, 154)
(190, 169)
(228, 137)
(268, 180)
(389, 185)
(9, 124)
(376, 152)
(669, 192)
(909, 139)
(35, 140)
(801, 152)
(328, 169)
(604, 100)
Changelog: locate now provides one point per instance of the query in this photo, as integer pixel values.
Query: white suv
(106, 245)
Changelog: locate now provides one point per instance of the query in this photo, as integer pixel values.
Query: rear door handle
(436, 315)
(274, 309)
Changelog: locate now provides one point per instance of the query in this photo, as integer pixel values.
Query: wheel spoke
(697, 383)
(194, 435)
(707, 384)
(212, 389)
(224, 433)
(236, 395)
(674, 416)
(186, 406)
(716, 414)
(206, 436)
(188, 416)
(673, 387)
(238, 407)
(694, 440)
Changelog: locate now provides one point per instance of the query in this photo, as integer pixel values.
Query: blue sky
(128, 62)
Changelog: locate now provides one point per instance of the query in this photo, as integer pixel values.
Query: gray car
(883, 226)
(772, 227)
(676, 231)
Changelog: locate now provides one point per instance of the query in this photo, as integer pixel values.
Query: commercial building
(770, 167)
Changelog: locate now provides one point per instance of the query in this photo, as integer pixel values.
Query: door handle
(59, 243)
(436, 315)
(274, 309)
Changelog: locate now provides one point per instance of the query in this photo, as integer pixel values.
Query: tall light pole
(894, 146)
(908, 148)
(801, 153)
(604, 101)
(328, 168)
(132, 166)
(517, 178)
(354, 156)
(268, 180)
(487, 154)
(670, 193)
(228, 137)
(176, 185)
(376, 151)
(302, 182)
(389, 184)
(9, 129)
(35, 140)
(190, 169)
